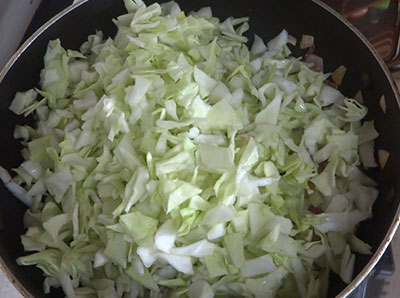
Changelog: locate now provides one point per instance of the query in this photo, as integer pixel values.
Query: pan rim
(3, 267)
(395, 222)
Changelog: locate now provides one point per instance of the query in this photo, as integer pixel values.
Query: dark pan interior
(334, 41)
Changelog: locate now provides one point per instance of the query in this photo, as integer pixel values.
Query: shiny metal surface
(395, 224)
(8, 274)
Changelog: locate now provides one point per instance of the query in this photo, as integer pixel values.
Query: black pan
(336, 40)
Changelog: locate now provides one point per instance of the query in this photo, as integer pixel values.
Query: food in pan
(173, 160)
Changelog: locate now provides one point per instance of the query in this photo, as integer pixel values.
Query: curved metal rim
(395, 223)
(3, 267)
(35, 35)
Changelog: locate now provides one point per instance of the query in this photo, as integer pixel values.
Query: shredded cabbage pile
(174, 161)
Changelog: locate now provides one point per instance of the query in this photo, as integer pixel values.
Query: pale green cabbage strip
(174, 161)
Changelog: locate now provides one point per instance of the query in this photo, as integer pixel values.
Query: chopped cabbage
(174, 161)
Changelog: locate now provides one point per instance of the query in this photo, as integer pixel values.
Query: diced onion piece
(359, 97)
(383, 156)
(338, 74)
(307, 41)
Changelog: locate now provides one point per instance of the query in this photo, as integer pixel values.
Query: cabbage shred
(174, 161)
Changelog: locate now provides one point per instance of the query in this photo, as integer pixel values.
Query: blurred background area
(379, 21)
